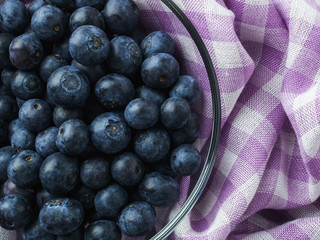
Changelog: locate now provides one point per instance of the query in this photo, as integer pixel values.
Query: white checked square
(251, 33)
(303, 11)
(187, 46)
(292, 54)
(230, 99)
(227, 54)
(262, 235)
(307, 97)
(257, 2)
(227, 161)
(249, 188)
(274, 85)
(282, 187)
(247, 120)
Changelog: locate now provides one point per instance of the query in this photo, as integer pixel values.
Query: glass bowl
(194, 60)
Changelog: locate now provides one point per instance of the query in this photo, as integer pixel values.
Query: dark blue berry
(110, 133)
(136, 219)
(62, 48)
(3, 131)
(5, 40)
(35, 5)
(15, 212)
(14, 16)
(61, 3)
(23, 139)
(95, 172)
(69, 86)
(186, 87)
(26, 51)
(110, 200)
(35, 232)
(125, 56)
(61, 216)
(160, 70)
(89, 45)
(185, 160)
(175, 112)
(49, 64)
(8, 108)
(73, 137)
(121, 16)
(76, 235)
(49, 23)
(94, 73)
(86, 16)
(42, 197)
(188, 133)
(23, 169)
(159, 190)
(6, 154)
(114, 91)
(155, 95)
(152, 145)
(102, 230)
(45, 143)
(62, 114)
(35, 115)
(98, 4)
(59, 174)
(27, 85)
(141, 113)
(6, 76)
(157, 42)
(84, 195)
(11, 188)
(127, 169)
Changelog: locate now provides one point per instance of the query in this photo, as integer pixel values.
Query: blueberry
(121, 16)
(23, 169)
(62, 48)
(84, 195)
(159, 190)
(61, 216)
(3, 132)
(6, 76)
(59, 174)
(49, 64)
(11, 188)
(188, 133)
(49, 23)
(102, 230)
(8, 108)
(61, 3)
(95, 172)
(152, 145)
(125, 56)
(110, 133)
(155, 95)
(141, 113)
(157, 42)
(15, 212)
(42, 197)
(73, 137)
(89, 45)
(14, 16)
(94, 73)
(62, 114)
(127, 169)
(86, 16)
(136, 219)
(35, 115)
(76, 235)
(186, 87)
(69, 86)
(26, 51)
(34, 232)
(114, 91)
(98, 4)
(185, 160)
(160, 70)
(5, 40)
(6, 154)
(45, 143)
(175, 112)
(23, 139)
(35, 5)
(110, 200)
(26, 85)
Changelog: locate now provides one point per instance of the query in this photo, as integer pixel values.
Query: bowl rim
(216, 124)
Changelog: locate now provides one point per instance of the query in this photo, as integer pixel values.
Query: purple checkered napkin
(266, 181)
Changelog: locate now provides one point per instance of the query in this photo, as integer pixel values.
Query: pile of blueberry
(95, 120)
